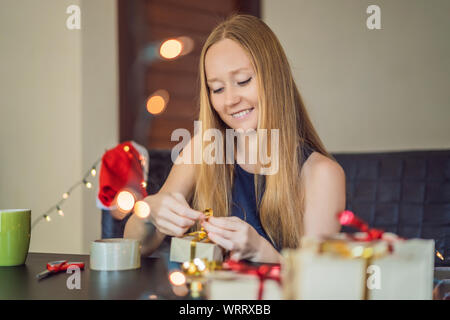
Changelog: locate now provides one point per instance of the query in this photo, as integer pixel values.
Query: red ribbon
(348, 218)
(263, 272)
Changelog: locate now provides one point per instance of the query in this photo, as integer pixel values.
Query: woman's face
(232, 84)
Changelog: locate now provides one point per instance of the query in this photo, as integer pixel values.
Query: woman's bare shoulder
(320, 167)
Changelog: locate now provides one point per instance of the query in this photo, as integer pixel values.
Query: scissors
(58, 266)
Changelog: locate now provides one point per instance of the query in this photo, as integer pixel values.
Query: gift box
(344, 268)
(241, 281)
(228, 285)
(190, 246)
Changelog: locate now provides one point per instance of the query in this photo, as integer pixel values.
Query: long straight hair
(280, 107)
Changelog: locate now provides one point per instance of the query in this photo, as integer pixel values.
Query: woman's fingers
(229, 223)
(180, 206)
(224, 243)
(170, 228)
(217, 230)
(168, 215)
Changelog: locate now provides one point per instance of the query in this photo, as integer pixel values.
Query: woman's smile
(242, 115)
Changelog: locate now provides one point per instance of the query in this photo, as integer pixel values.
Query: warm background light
(142, 209)
(170, 49)
(125, 201)
(157, 102)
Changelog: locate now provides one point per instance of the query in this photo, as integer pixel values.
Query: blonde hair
(281, 213)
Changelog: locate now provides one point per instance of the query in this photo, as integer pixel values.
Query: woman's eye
(245, 82)
(242, 83)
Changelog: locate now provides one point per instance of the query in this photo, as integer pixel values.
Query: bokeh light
(142, 209)
(125, 201)
(157, 102)
(171, 49)
(177, 278)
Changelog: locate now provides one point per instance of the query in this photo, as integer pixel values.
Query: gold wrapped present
(191, 246)
(342, 268)
(195, 245)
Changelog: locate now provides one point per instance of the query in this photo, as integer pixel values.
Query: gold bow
(199, 236)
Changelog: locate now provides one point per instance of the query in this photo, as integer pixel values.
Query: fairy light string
(92, 172)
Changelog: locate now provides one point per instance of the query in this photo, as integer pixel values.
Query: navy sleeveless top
(244, 197)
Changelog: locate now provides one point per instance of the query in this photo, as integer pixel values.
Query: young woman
(246, 83)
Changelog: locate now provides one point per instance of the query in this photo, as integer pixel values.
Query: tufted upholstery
(407, 193)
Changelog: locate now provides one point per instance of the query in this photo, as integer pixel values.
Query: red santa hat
(123, 167)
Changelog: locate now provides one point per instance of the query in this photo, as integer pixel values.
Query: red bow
(348, 218)
(263, 272)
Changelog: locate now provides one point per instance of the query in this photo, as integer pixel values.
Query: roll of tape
(115, 254)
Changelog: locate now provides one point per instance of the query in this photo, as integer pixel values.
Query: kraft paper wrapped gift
(228, 285)
(404, 273)
(180, 249)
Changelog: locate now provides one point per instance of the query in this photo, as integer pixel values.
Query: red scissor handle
(62, 265)
(55, 266)
(71, 264)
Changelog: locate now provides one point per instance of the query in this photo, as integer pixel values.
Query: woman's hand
(171, 214)
(235, 235)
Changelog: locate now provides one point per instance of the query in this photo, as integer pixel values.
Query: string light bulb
(65, 195)
(60, 212)
(87, 184)
(47, 218)
(144, 184)
(126, 148)
(93, 172)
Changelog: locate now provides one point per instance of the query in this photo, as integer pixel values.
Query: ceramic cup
(15, 233)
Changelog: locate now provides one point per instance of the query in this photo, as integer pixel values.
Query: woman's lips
(242, 114)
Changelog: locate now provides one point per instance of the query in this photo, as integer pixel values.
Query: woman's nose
(231, 97)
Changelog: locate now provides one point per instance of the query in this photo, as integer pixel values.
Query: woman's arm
(170, 213)
(324, 183)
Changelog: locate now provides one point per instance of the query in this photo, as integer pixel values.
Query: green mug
(15, 233)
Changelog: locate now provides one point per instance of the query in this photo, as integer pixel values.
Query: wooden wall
(142, 22)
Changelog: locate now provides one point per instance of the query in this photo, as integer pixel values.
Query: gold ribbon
(199, 236)
(366, 252)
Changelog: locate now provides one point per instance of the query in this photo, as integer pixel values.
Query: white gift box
(405, 273)
(229, 285)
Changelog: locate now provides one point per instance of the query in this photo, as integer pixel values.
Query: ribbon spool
(115, 254)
